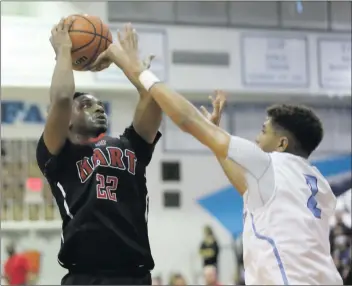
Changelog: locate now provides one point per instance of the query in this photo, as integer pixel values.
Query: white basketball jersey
(286, 237)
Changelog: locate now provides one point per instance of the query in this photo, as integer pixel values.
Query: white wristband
(148, 79)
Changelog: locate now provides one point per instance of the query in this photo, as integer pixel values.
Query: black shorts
(97, 279)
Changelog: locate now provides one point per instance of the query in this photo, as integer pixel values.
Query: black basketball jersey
(101, 192)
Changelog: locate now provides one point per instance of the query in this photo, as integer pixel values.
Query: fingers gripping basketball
(90, 37)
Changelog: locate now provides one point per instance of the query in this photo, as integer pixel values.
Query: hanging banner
(334, 63)
(278, 61)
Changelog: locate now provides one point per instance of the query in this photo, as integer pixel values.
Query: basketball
(90, 37)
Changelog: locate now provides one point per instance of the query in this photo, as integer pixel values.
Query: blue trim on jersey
(275, 250)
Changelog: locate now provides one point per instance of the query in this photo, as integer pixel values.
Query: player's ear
(283, 144)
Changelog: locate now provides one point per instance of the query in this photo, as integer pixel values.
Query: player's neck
(80, 139)
(298, 153)
(97, 138)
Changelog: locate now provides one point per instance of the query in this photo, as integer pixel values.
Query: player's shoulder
(283, 156)
(287, 159)
(296, 163)
(289, 166)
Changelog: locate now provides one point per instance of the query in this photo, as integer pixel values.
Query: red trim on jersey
(96, 139)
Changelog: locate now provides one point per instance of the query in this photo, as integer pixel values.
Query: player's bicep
(210, 135)
(235, 174)
(218, 140)
(57, 123)
(147, 117)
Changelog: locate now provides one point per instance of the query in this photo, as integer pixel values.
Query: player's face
(88, 116)
(268, 139)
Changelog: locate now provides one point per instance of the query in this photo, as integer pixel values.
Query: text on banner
(270, 60)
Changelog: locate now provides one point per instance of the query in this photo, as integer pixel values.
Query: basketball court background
(260, 53)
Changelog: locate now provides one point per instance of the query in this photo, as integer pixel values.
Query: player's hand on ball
(105, 60)
(218, 104)
(60, 37)
(124, 53)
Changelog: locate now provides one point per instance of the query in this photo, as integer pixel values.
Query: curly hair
(303, 125)
(78, 94)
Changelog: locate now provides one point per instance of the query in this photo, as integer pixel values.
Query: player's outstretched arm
(189, 119)
(254, 161)
(233, 171)
(184, 114)
(61, 90)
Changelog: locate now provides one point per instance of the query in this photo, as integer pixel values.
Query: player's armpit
(235, 174)
(144, 150)
(147, 117)
(189, 119)
(61, 95)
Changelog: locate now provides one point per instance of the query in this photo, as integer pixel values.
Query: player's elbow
(185, 126)
(185, 122)
(216, 139)
(219, 142)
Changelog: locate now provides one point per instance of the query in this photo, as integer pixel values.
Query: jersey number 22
(106, 187)
(312, 203)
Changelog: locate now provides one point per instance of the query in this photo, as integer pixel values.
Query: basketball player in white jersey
(287, 202)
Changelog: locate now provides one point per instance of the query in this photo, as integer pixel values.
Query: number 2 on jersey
(312, 203)
(106, 187)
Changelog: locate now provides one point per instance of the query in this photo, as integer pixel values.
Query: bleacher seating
(19, 163)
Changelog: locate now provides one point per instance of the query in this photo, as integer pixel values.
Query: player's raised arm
(148, 114)
(61, 90)
(234, 172)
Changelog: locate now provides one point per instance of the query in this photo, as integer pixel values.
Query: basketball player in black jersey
(98, 181)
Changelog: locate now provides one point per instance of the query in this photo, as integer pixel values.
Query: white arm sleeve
(258, 167)
(249, 156)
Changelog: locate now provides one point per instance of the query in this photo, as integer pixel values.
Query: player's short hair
(301, 122)
(78, 94)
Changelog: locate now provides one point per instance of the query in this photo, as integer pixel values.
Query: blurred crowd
(17, 168)
(341, 244)
(209, 253)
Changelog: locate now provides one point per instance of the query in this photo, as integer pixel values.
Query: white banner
(334, 63)
(271, 60)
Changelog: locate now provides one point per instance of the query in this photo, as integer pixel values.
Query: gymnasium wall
(194, 60)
